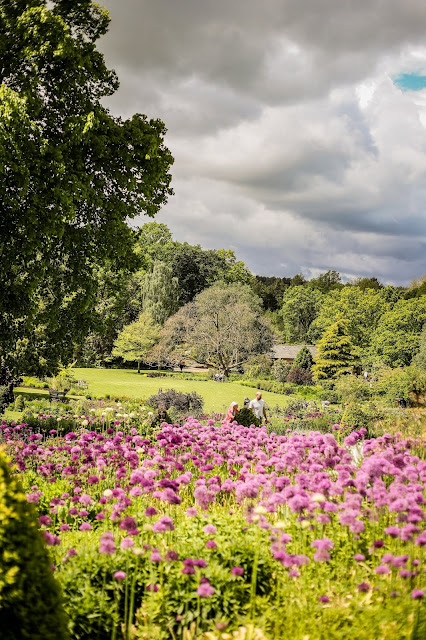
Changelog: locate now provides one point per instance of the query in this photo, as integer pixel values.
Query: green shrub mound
(247, 418)
(30, 598)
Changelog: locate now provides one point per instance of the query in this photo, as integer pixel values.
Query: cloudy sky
(297, 126)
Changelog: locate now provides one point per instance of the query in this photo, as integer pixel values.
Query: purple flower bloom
(210, 529)
(85, 526)
(324, 599)
(325, 544)
(126, 543)
(417, 594)
(155, 556)
(363, 587)
(107, 545)
(359, 557)
(211, 544)
(205, 590)
(237, 571)
(150, 511)
(191, 512)
(171, 556)
(120, 575)
(152, 587)
(382, 569)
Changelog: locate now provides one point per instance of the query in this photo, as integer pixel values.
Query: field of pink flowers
(209, 531)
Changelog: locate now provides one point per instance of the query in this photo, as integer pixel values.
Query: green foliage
(362, 310)
(335, 352)
(327, 281)
(352, 388)
(401, 383)
(280, 370)
(358, 415)
(419, 359)
(19, 403)
(160, 293)
(70, 173)
(136, 339)
(30, 598)
(247, 418)
(304, 359)
(222, 328)
(7, 383)
(258, 366)
(300, 307)
(397, 337)
(271, 290)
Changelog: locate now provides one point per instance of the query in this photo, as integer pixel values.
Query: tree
(136, 339)
(336, 353)
(361, 308)
(271, 289)
(327, 281)
(419, 359)
(221, 328)
(160, 293)
(396, 339)
(304, 359)
(299, 309)
(70, 173)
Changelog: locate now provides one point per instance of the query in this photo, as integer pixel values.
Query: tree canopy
(336, 353)
(221, 328)
(71, 174)
(136, 339)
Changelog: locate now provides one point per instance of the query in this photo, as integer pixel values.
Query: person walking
(258, 407)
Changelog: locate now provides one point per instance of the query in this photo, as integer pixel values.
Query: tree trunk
(139, 366)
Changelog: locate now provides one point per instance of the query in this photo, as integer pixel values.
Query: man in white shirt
(258, 407)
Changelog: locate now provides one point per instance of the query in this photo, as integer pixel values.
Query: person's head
(234, 405)
(258, 396)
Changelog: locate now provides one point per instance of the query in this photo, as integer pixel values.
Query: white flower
(107, 493)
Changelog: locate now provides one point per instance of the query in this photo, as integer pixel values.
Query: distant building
(288, 352)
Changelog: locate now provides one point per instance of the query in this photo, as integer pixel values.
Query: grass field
(127, 382)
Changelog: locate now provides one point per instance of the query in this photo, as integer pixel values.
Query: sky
(297, 127)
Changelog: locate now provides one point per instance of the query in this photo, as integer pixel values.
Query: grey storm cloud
(292, 145)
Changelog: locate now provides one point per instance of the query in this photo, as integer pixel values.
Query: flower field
(200, 530)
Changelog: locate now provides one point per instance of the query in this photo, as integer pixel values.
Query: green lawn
(126, 382)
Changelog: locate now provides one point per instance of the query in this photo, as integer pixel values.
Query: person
(258, 407)
(246, 401)
(231, 414)
(181, 365)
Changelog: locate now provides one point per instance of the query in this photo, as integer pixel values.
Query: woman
(231, 414)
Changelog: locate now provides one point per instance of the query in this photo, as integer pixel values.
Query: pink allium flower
(100, 516)
(155, 556)
(321, 556)
(191, 512)
(120, 575)
(126, 543)
(64, 527)
(45, 521)
(152, 587)
(50, 539)
(85, 499)
(382, 569)
(294, 573)
(171, 556)
(128, 523)
(211, 544)
(358, 557)
(205, 590)
(417, 594)
(209, 529)
(363, 587)
(324, 544)
(85, 526)
(324, 599)
(150, 511)
(107, 545)
(237, 571)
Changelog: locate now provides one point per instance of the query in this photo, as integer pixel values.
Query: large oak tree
(71, 174)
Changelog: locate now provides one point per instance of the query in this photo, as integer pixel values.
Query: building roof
(290, 351)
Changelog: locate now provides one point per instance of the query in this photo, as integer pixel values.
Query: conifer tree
(304, 359)
(336, 353)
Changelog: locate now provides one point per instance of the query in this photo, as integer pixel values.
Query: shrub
(30, 598)
(353, 388)
(357, 416)
(19, 403)
(247, 418)
(7, 382)
(177, 399)
(304, 359)
(280, 370)
(298, 375)
(258, 366)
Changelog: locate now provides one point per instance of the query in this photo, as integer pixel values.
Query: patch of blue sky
(410, 81)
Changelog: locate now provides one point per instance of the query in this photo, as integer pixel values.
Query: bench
(56, 395)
